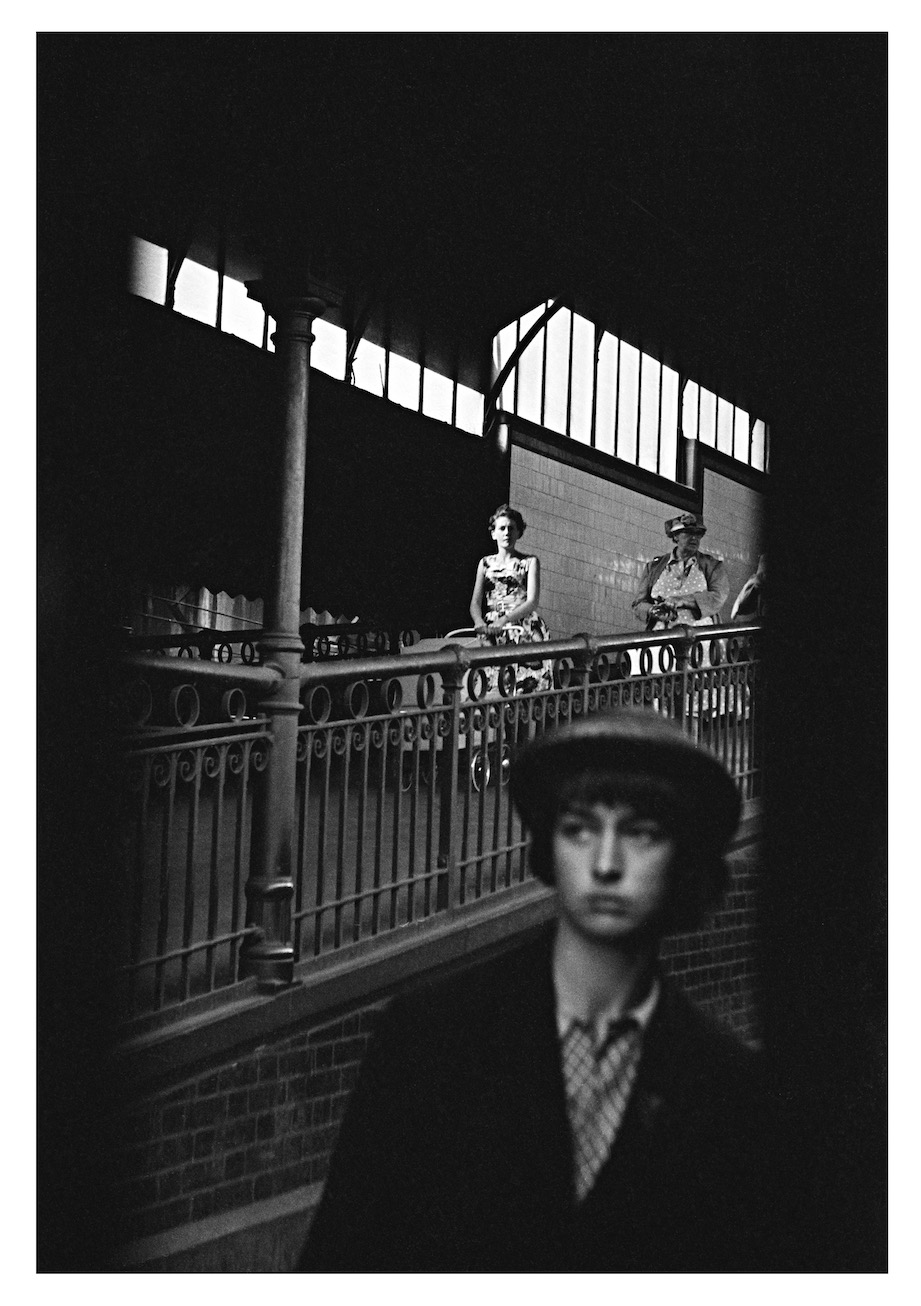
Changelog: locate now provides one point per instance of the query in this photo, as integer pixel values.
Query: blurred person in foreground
(751, 603)
(564, 1107)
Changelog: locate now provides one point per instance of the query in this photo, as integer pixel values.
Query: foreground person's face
(611, 870)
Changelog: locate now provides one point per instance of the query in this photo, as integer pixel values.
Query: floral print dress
(506, 587)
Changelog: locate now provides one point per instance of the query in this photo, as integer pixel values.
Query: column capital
(286, 296)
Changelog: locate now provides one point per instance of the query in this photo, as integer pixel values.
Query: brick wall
(264, 1122)
(593, 538)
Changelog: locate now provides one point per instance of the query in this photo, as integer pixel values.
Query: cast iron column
(268, 954)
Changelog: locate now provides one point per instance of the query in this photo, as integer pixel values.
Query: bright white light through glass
(758, 445)
(689, 410)
(557, 378)
(627, 408)
(470, 406)
(240, 315)
(147, 265)
(668, 443)
(530, 376)
(196, 292)
(605, 408)
(327, 353)
(583, 377)
(271, 328)
(707, 411)
(649, 413)
(724, 426)
(437, 395)
(403, 382)
(740, 436)
(502, 349)
(368, 367)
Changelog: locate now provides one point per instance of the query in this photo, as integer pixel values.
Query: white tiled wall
(593, 538)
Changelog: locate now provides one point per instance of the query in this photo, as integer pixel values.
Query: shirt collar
(641, 1013)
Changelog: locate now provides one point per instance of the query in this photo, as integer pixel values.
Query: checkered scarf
(598, 1081)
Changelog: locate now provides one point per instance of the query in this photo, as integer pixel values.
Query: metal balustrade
(403, 818)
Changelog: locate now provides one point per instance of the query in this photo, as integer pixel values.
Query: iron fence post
(446, 894)
(683, 647)
(268, 953)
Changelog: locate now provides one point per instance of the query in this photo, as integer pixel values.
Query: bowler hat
(685, 521)
(628, 742)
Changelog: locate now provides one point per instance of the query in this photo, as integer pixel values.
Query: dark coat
(455, 1151)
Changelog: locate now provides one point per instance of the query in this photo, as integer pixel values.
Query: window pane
(740, 435)
(758, 445)
(668, 446)
(557, 380)
(724, 426)
(327, 353)
(147, 270)
(270, 328)
(196, 292)
(707, 431)
(530, 375)
(502, 349)
(583, 368)
(437, 395)
(368, 367)
(403, 383)
(607, 393)
(689, 410)
(470, 404)
(649, 413)
(627, 408)
(240, 315)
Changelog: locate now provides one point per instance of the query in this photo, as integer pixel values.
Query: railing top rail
(235, 673)
(455, 656)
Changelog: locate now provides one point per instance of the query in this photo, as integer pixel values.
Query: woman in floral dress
(505, 598)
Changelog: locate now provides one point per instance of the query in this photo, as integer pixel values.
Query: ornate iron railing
(402, 811)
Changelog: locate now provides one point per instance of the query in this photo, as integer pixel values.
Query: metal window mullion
(543, 377)
(517, 366)
(617, 401)
(639, 407)
(422, 357)
(659, 420)
(388, 322)
(599, 335)
(221, 265)
(572, 338)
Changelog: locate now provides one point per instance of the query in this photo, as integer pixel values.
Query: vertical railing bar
(215, 864)
(468, 802)
(239, 876)
(397, 820)
(191, 850)
(379, 830)
(358, 908)
(413, 820)
(497, 797)
(432, 789)
(481, 801)
(321, 845)
(137, 913)
(163, 903)
(343, 836)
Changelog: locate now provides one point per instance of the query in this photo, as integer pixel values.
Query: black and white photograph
(461, 678)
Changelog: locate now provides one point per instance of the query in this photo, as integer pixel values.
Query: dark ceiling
(682, 187)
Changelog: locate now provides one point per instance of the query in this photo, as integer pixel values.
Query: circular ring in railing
(224, 653)
(480, 768)
(601, 668)
(620, 665)
(380, 641)
(733, 649)
(666, 658)
(321, 646)
(426, 688)
(213, 761)
(184, 705)
(562, 672)
(259, 754)
(186, 651)
(138, 701)
(387, 696)
(318, 704)
(645, 661)
(341, 645)
(248, 652)
(361, 642)
(477, 683)
(408, 638)
(233, 704)
(696, 655)
(339, 740)
(356, 699)
(506, 680)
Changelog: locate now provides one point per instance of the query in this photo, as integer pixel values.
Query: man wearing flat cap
(563, 1107)
(683, 587)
